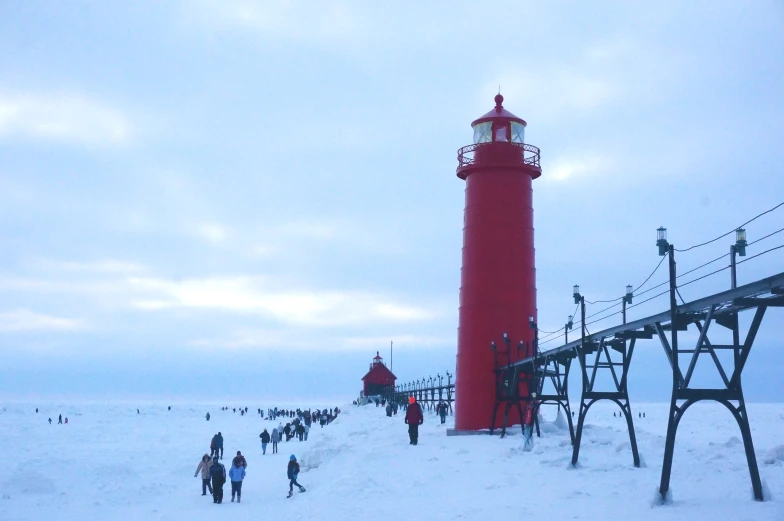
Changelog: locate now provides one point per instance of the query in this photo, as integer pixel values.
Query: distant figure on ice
(239, 460)
(36, 410)
(66, 420)
(60, 420)
(218, 475)
(170, 407)
(219, 444)
(50, 421)
(208, 416)
(265, 439)
(441, 409)
(414, 419)
(292, 472)
(275, 438)
(299, 430)
(204, 468)
(137, 411)
(236, 474)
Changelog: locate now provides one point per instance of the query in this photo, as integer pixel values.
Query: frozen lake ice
(109, 463)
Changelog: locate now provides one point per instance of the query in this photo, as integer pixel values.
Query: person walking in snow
(236, 474)
(414, 418)
(239, 460)
(204, 467)
(275, 438)
(50, 421)
(213, 446)
(218, 475)
(219, 444)
(287, 431)
(442, 410)
(208, 416)
(300, 431)
(292, 472)
(265, 439)
(307, 430)
(60, 420)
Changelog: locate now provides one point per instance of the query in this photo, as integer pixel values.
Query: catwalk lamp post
(738, 248)
(532, 324)
(579, 299)
(627, 299)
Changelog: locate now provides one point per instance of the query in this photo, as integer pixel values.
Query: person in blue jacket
(293, 472)
(236, 474)
(218, 475)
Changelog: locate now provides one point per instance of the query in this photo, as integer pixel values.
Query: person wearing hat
(239, 459)
(293, 471)
(218, 475)
(414, 419)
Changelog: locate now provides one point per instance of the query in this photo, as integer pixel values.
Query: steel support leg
(627, 412)
(741, 416)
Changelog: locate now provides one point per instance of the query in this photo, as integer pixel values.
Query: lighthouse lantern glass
(482, 133)
(500, 132)
(518, 132)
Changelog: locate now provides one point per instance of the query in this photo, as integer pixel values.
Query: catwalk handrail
(759, 287)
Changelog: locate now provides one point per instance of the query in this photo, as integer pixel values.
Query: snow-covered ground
(111, 464)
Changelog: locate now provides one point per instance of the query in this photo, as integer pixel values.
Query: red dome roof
(499, 113)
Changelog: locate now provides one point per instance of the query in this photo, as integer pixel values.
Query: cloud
(400, 341)
(25, 320)
(279, 21)
(214, 233)
(251, 295)
(566, 168)
(98, 267)
(60, 117)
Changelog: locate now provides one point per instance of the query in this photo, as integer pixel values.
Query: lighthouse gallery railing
(529, 153)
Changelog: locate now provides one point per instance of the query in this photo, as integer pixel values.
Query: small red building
(378, 379)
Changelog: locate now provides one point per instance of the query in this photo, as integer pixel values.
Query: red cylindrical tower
(498, 278)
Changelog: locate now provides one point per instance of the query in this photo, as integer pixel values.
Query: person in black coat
(218, 476)
(265, 439)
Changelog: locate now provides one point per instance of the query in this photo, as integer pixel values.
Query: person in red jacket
(414, 419)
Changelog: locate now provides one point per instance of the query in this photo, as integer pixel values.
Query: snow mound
(28, 482)
(775, 456)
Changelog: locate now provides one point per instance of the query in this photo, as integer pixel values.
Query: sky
(247, 198)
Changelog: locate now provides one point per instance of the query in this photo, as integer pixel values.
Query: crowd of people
(213, 473)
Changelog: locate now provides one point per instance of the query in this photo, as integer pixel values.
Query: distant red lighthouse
(379, 379)
(498, 278)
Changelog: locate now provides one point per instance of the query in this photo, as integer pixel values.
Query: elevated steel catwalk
(726, 302)
(611, 350)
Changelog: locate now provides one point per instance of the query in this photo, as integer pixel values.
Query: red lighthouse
(498, 278)
(379, 379)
